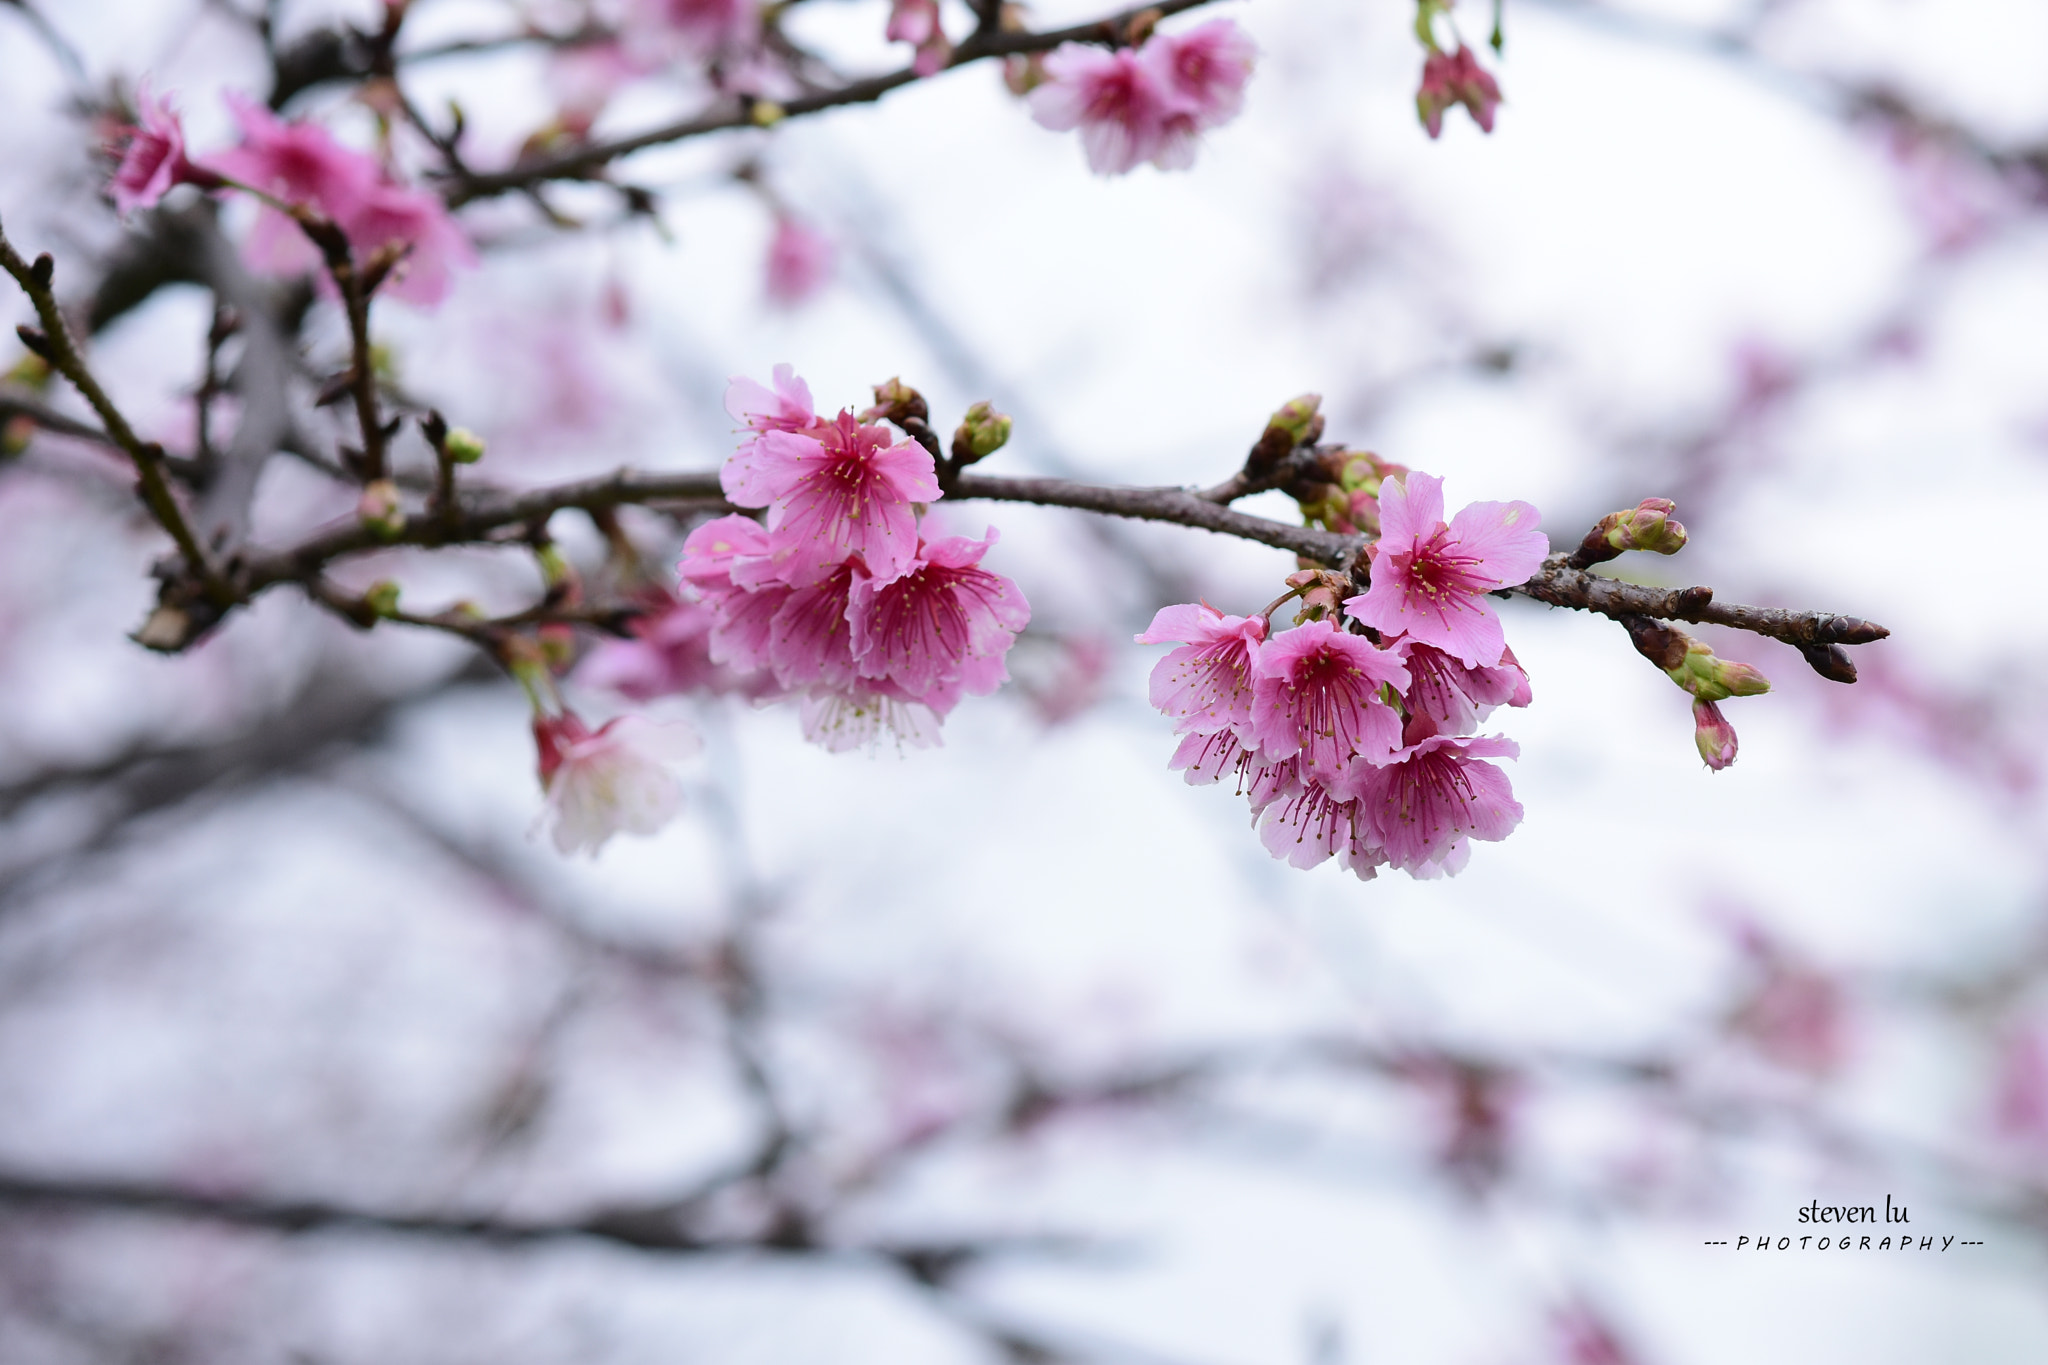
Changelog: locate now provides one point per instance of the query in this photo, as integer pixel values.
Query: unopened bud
(1299, 418)
(31, 372)
(15, 435)
(1713, 734)
(767, 113)
(983, 431)
(464, 446)
(379, 511)
(1326, 505)
(1646, 526)
(381, 598)
(1023, 73)
(1712, 679)
(555, 570)
(896, 401)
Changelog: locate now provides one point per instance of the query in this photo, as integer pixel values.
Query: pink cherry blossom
(1450, 78)
(1316, 693)
(611, 780)
(1453, 695)
(2020, 1091)
(152, 157)
(945, 619)
(844, 489)
(703, 27)
(1435, 795)
(799, 262)
(1305, 825)
(1116, 101)
(727, 561)
(669, 654)
(787, 407)
(415, 223)
(917, 22)
(1430, 580)
(1206, 685)
(809, 640)
(1203, 71)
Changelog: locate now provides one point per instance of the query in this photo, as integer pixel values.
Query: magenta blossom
(1206, 685)
(1116, 101)
(799, 263)
(944, 620)
(152, 157)
(809, 639)
(844, 489)
(1430, 580)
(1317, 693)
(1455, 696)
(1434, 796)
(1203, 71)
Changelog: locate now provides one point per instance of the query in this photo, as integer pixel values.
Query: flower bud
(1300, 419)
(1712, 679)
(896, 401)
(379, 511)
(464, 446)
(15, 436)
(557, 646)
(1326, 505)
(1713, 734)
(766, 113)
(381, 597)
(1023, 73)
(31, 372)
(1322, 594)
(983, 431)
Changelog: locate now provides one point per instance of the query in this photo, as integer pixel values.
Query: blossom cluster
(1148, 103)
(837, 598)
(1352, 733)
(298, 166)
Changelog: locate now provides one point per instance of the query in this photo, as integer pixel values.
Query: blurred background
(1020, 1049)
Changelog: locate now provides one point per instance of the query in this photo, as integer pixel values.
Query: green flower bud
(382, 598)
(1710, 679)
(983, 431)
(464, 446)
(379, 511)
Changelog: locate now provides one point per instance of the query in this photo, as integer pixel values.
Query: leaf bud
(983, 431)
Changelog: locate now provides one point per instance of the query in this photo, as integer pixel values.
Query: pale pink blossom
(669, 654)
(1436, 794)
(1116, 101)
(1455, 696)
(703, 27)
(844, 489)
(152, 157)
(612, 780)
(1304, 824)
(799, 262)
(1430, 580)
(1205, 685)
(786, 407)
(917, 22)
(415, 224)
(944, 620)
(1793, 1013)
(2020, 1091)
(1317, 693)
(1204, 70)
(858, 717)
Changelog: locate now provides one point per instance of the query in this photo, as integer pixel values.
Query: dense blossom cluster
(836, 598)
(1352, 732)
(1148, 103)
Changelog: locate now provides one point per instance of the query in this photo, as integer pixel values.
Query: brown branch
(14, 404)
(1563, 586)
(61, 351)
(583, 163)
(1176, 505)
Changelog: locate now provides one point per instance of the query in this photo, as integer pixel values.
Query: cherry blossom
(843, 489)
(1206, 685)
(1436, 794)
(611, 780)
(857, 717)
(799, 262)
(1430, 580)
(1455, 696)
(917, 22)
(1317, 693)
(1116, 101)
(152, 157)
(945, 619)
(1203, 71)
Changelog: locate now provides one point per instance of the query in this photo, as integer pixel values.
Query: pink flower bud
(379, 510)
(1713, 734)
(1450, 78)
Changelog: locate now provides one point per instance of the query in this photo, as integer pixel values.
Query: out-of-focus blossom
(1585, 1337)
(1712, 733)
(611, 780)
(1115, 100)
(799, 262)
(1795, 1015)
(1430, 580)
(585, 76)
(1204, 70)
(153, 156)
(1205, 685)
(669, 654)
(701, 28)
(917, 22)
(1450, 78)
(1317, 693)
(302, 164)
(858, 717)
(1063, 676)
(2019, 1107)
(944, 620)
(1436, 794)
